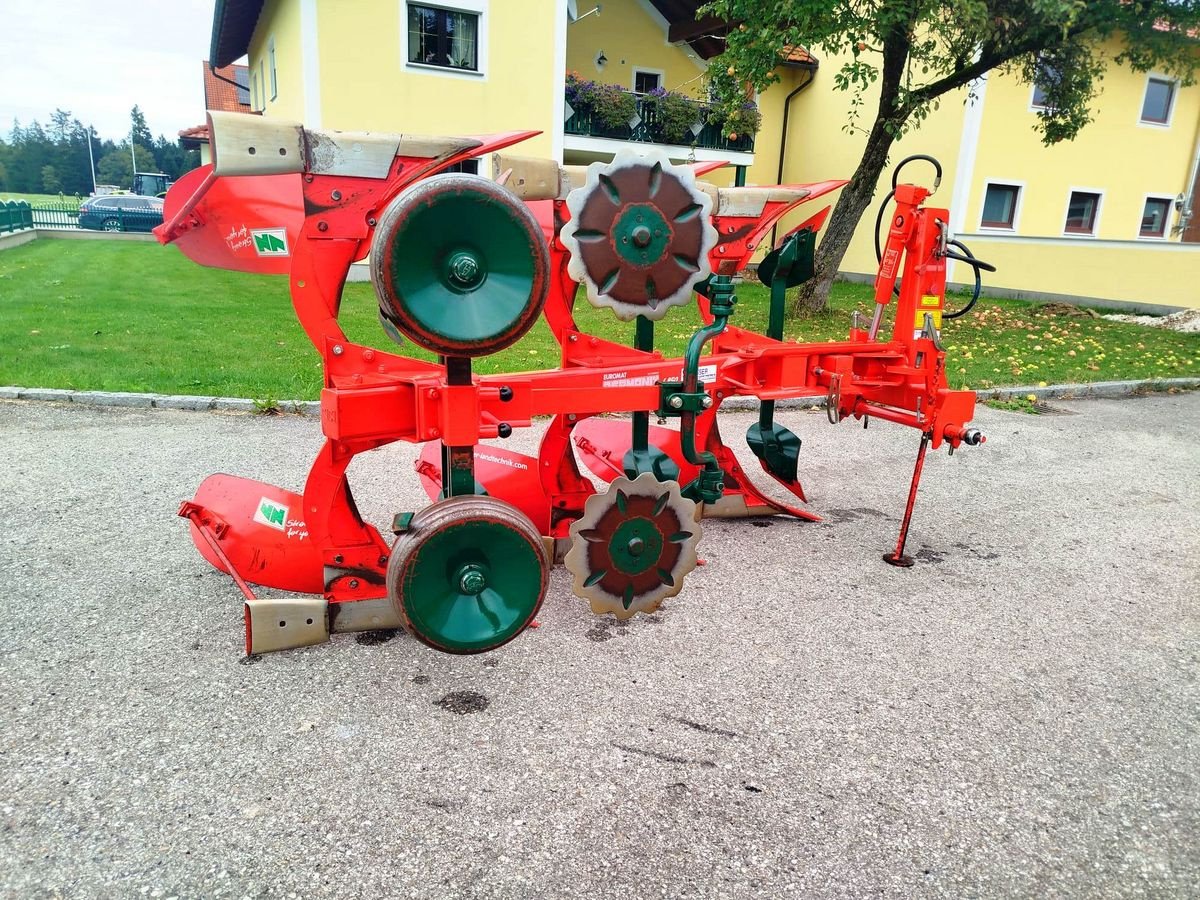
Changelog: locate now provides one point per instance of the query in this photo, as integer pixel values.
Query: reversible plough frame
(464, 266)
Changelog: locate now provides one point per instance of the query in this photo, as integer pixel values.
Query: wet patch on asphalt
(463, 703)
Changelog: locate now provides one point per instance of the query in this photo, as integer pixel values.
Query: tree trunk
(813, 295)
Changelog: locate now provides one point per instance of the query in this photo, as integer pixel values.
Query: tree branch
(990, 56)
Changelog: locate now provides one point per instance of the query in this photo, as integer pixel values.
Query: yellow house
(1103, 218)
(474, 66)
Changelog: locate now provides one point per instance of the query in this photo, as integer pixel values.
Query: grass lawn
(95, 315)
(43, 199)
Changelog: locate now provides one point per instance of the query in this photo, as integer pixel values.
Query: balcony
(644, 126)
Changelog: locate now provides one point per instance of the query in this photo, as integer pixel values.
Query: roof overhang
(233, 26)
(706, 35)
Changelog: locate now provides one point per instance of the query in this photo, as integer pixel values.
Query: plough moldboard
(464, 266)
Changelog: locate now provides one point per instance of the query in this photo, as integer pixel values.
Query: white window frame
(1091, 236)
(478, 8)
(662, 76)
(1002, 182)
(1033, 107)
(1166, 235)
(274, 77)
(1158, 76)
(254, 107)
(262, 80)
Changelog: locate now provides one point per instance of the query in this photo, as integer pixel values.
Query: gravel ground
(1186, 320)
(1014, 716)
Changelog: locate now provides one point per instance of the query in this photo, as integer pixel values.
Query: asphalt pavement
(1015, 716)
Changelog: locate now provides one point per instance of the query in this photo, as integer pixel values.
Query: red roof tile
(195, 134)
(797, 55)
(221, 95)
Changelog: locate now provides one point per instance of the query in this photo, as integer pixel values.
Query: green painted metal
(778, 447)
(466, 270)
(635, 546)
(641, 234)
(642, 456)
(788, 266)
(801, 246)
(15, 215)
(472, 580)
(458, 473)
(674, 401)
(462, 263)
(473, 586)
(709, 485)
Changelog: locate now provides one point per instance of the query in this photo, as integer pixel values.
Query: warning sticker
(707, 374)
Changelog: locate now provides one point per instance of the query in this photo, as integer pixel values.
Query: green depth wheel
(460, 266)
(468, 575)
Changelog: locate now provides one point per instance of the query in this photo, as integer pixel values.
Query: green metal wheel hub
(468, 575)
(460, 266)
(465, 270)
(641, 235)
(472, 580)
(635, 546)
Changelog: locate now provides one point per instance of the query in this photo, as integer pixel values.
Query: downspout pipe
(1188, 214)
(811, 68)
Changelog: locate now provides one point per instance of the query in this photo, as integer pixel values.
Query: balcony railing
(644, 128)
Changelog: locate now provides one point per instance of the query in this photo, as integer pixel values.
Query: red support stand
(897, 557)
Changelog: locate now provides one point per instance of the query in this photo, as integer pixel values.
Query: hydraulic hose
(969, 258)
(937, 181)
(966, 256)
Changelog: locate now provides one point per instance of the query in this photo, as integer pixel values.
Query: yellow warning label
(920, 318)
(931, 300)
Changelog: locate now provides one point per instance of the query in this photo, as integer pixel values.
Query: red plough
(464, 266)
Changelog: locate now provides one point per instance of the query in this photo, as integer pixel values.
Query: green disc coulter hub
(641, 235)
(633, 545)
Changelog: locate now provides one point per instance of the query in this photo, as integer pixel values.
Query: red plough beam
(464, 266)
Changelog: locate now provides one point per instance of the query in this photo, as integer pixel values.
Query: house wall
(1114, 154)
(368, 85)
(825, 142)
(632, 35)
(765, 168)
(280, 20)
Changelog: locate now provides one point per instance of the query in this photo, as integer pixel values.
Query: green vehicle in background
(151, 184)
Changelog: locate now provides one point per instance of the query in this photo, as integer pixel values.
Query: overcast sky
(97, 58)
